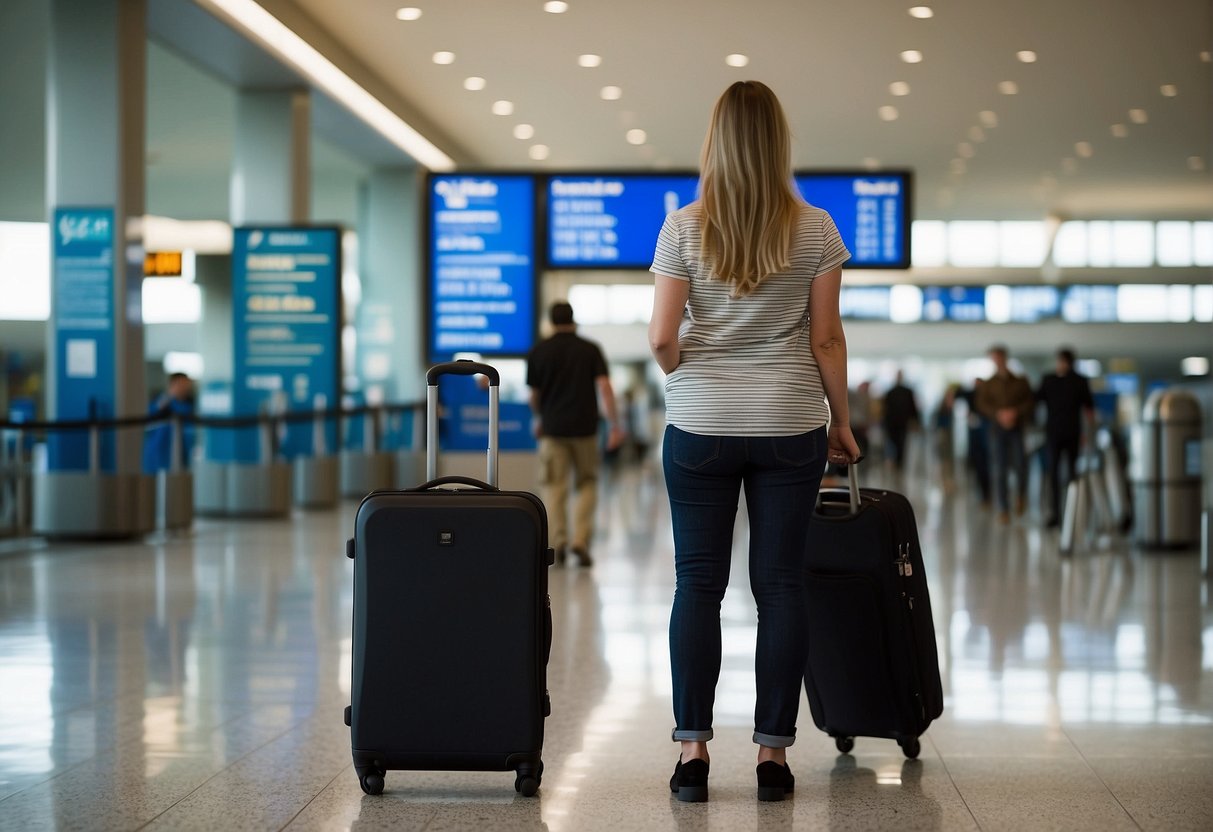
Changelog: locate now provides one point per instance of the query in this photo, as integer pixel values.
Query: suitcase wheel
(910, 747)
(844, 744)
(371, 779)
(528, 780)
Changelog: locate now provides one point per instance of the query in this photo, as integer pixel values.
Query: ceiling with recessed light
(1017, 108)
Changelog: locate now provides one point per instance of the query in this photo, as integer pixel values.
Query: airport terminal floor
(198, 682)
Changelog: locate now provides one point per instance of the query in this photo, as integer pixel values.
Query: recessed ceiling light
(1008, 88)
(503, 108)
(1138, 116)
(611, 93)
(1119, 131)
(555, 7)
(977, 134)
(1206, 56)
(1084, 149)
(408, 13)
(871, 163)
(899, 88)
(1026, 56)
(965, 150)
(523, 131)
(921, 12)
(473, 83)
(1196, 163)
(988, 118)
(539, 152)
(888, 113)
(912, 56)
(737, 59)
(444, 58)
(1169, 90)
(1069, 165)
(637, 136)
(589, 61)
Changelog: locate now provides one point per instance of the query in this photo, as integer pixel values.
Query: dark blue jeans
(1007, 457)
(704, 475)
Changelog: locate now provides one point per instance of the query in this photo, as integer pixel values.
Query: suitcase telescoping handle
(460, 368)
(853, 484)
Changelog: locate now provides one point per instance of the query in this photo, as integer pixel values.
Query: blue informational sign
(611, 221)
(871, 211)
(962, 304)
(83, 322)
(482, 265)
(464, 425)
(286, 302)
(1032, 304)
(1089, 304)
(865, 303)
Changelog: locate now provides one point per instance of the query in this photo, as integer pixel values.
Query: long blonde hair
(749, 203)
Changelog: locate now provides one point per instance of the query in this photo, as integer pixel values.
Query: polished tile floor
(198, 683)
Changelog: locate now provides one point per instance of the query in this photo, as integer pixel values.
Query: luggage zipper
(904, 568)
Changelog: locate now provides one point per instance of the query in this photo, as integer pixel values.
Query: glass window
(1202, 304)
(1099, 244)
(905, 304)
(589, 303)
(1070, 245)
(1173, 243)
(1021, 244)
(1141, 304)
(998, 304)
(1202, 243)
(1179, 304)
(1132, 244)
(973, 243)
(171, 300)
(25, 271)
(629, 303)
(929, 243)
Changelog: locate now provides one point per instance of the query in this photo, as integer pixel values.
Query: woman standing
(746, 325)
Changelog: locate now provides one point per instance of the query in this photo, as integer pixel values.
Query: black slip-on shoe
(775, 781)
(690, 781)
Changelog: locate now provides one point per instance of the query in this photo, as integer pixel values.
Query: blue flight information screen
(611, 221)
(482, 265)
(871, 212)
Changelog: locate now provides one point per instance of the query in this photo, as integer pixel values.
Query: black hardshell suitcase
(452, 621)
(873, 666)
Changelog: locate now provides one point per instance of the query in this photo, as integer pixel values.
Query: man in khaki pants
(568, 376)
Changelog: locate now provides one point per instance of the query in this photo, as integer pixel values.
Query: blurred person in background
(899, 417)
(944, 436)
(977, 458)
(1008, 402)
(176, 400)
(1069, 405)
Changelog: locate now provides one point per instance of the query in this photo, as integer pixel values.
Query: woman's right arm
(669, 304)
(829, 346)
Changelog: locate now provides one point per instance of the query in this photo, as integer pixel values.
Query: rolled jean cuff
(691, 736)
(772, 741)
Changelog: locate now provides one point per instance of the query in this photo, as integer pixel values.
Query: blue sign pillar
(95, 184)
(286, 300)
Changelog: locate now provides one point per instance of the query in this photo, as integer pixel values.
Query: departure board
(611, 221)
(481, 265)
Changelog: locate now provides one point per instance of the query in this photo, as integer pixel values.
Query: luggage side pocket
(849, 673)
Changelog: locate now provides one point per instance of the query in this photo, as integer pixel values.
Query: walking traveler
(899, 415)
(1068, 403)
(568, 377)
(1008, 402)
(746, 325)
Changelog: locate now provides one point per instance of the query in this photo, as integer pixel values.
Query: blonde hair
(750, 205)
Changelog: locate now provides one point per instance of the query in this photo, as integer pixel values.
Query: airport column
(94, 486)
(270, 186)
(391, 317)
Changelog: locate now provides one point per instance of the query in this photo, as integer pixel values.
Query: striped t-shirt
(746, 367)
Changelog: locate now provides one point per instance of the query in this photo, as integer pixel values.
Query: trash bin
(1166, 463)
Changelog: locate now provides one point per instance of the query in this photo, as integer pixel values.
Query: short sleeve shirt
(746, 364)
(565, 369)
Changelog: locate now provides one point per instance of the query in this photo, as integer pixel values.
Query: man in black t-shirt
(568, 376)
(1067, 398)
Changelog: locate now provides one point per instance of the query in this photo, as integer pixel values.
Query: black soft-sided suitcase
(452, 622)
(873, 667)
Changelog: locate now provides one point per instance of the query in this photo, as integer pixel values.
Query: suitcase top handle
(462, 367)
